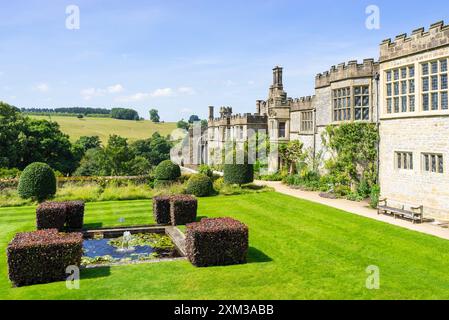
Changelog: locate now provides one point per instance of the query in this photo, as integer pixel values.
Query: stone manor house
(405, 92)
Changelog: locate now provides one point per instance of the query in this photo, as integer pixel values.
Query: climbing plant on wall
(353, 164)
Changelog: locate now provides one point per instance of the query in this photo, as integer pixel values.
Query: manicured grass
(103, 127)
(299, 250)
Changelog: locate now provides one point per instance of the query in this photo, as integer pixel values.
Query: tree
(155, 150)
(11, 127)
(124, 114)
(93, 163)
(154, 116)
(291, 153)
(194, 118)
(85, 143)
(182, 125)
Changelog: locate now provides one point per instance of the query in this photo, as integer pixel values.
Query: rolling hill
(103, 127)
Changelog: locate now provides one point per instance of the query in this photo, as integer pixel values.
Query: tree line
(115, 113)
(24, 140)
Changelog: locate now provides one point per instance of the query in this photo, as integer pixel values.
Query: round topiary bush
(37, 181)
(238, 173)
(167, 170)
(200, 185)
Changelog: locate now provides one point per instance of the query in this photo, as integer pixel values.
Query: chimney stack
(211, 112)
(277, 77)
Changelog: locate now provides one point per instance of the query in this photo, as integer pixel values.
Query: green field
(103, 127)
(298, 250)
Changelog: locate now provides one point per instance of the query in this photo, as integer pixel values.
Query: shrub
(74, 214)
(42, 256)
(200, 185)
(183, 209)
(216, 242)
(161, 209)
(374, 197)
(218, 183)
(37, 181)
(206, 170)
(51, 215)
(238, 173)
(167, 170)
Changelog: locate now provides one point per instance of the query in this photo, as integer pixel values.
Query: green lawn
(299, 250)
(103, 127)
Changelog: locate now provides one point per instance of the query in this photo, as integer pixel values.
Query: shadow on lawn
(96, 273)
(257, 256)
(95, 225)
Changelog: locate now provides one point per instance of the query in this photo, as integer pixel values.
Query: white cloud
(158, 93)
(133, 98)
(42, 87)
(117, 88)
(90, 93)
(164, 92)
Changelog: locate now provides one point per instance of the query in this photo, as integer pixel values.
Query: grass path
(299, 250)
(103, 127)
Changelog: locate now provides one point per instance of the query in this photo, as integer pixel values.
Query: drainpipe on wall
(315, 132)
(377, 78)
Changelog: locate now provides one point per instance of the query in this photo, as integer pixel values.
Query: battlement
(303, 103)
(344, 71)
(419, 41)
(248, 118)
(228, 118)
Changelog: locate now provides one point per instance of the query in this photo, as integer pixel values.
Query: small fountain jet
(127, 237)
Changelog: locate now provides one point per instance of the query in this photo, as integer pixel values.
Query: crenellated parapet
(303, 103)
(248, 118)
(345, 71)
(419, 41)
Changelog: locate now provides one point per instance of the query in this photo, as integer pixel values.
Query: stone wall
(415, 187)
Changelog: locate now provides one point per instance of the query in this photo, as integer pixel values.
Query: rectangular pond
(128, 245)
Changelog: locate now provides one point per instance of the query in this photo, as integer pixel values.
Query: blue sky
(181, 56)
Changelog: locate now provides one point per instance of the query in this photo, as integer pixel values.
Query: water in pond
(101, 247)
(128, 248)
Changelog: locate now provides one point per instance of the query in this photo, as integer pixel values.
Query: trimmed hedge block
(238, 173)
(161, 209)
(42, 256)
(217, 242)
(74, 214)
(51, 215)
(183, 209)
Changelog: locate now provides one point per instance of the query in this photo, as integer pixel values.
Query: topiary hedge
(57, 215)
(42, 256)
(74, 214)
(167, 170)
(238, 173)
(161, 209)
(200, 185)
(183, 209)
(217, 242)
(37, 181)
(51, 215)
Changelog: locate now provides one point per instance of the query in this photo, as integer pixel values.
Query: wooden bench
(415, 213)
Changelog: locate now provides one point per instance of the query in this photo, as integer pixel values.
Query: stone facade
(421, 129)
(405, 92)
